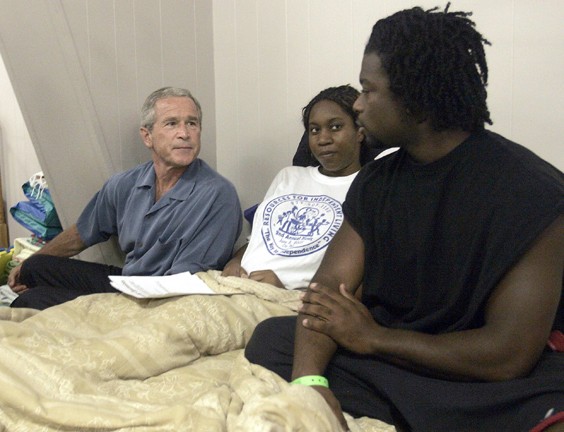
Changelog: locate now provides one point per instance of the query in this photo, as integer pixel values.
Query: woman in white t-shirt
(301, 211)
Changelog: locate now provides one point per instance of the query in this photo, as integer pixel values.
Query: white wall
(254, 64)
(271, 57)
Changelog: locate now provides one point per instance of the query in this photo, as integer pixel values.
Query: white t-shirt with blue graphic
(292, 226)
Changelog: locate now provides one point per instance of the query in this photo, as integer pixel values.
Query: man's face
(175, 137)
(380, 111)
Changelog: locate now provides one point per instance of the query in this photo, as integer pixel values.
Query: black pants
(366, 386)
(53, 280)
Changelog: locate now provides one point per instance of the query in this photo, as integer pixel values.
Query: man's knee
(272, 344)
(34, 264)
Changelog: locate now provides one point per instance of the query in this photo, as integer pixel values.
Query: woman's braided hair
(436, 65)
(343, 95)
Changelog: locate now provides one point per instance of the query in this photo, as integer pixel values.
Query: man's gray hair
(148, 109)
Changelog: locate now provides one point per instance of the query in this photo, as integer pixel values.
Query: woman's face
(334, 139)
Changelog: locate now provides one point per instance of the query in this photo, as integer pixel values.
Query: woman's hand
(266, 276)
(233, 268)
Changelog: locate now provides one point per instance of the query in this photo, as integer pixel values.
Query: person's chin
(186, 158)
(374, 142)
(181, 162)
(189, 161)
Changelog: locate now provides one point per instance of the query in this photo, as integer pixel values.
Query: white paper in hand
(160, 286)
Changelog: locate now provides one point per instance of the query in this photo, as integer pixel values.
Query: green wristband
(312, 380)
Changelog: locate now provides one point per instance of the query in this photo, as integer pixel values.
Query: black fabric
(366, 386)
(303, 156)
(439, 237)
(54, 280)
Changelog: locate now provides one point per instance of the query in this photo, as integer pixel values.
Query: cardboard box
(4, 243)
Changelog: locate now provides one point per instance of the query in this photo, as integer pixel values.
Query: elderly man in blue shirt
(170, 215)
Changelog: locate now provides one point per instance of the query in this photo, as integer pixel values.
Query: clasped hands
(265, 276)
(339, 315)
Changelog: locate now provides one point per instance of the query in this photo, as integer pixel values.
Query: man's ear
(360, 136)
(146, 137)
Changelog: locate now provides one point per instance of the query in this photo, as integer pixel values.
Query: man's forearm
(312, 351)
(66, 244)
(342, 264)
(518, 317)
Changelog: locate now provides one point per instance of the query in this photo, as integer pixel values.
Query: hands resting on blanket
(234, 268)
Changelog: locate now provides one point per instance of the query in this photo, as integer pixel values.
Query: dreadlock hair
(436, 65)
(344, 96)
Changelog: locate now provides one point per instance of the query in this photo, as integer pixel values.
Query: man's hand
(266, 276)
(333, 404)
(340, 316)
(14, 280)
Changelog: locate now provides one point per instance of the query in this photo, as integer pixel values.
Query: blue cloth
(38, 214)
(193, 227)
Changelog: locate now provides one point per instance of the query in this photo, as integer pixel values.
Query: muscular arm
(518, 320)
(343, 263)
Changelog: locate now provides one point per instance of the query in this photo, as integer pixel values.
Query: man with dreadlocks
(457, 243)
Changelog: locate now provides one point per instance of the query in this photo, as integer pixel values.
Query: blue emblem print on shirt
(296, 225)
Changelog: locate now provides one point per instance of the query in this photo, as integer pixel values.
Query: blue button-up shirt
(193, 227)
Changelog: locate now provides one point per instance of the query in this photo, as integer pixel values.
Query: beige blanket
(109, 362)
